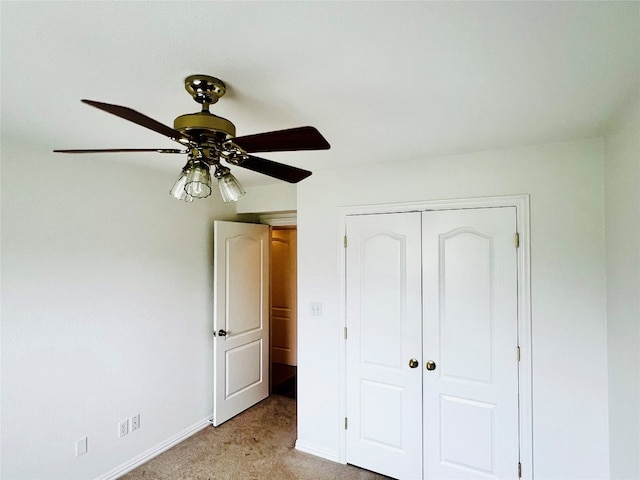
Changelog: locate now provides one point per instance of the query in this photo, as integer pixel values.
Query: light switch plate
(81, 446)
(135, 422)
(316, 309)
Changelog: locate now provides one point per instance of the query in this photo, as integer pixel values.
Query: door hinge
(519, 470)
(516, 239)
(345, 423)
(345, 241)
(518, 353)
(345, 333)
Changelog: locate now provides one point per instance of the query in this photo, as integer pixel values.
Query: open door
(241, 318)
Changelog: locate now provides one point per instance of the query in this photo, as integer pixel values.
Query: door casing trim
(521, 203)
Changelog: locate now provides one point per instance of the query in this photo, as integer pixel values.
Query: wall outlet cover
(123, 428)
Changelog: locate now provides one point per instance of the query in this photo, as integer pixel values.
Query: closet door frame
(521, 203)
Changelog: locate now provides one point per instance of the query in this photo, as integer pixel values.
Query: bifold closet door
(470, 336)
(384, 393)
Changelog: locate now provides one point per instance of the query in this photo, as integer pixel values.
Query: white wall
(106, 311)
(622, 209)
(106, 305)
(565, 182)
(268, 198)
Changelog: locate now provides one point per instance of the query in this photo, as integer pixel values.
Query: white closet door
(470, 334)
(384, 398)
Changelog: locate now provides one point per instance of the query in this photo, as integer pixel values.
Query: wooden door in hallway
(284, 295)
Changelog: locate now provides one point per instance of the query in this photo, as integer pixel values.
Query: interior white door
(383, 304)
(241, 318)
(470, 333)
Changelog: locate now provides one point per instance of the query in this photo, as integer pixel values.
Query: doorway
(284, 310)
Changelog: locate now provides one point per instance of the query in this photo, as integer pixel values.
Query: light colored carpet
(257, 444)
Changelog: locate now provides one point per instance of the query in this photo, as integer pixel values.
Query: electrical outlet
(135, 422)
(123, 428)
(81, 446)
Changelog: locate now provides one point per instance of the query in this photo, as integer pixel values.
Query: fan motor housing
(203, 123)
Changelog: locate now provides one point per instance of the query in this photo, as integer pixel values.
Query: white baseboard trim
(321, 452)
(155, 451)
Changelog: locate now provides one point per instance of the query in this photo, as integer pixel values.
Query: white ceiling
(383, 81)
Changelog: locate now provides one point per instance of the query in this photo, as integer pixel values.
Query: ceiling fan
(207, 139)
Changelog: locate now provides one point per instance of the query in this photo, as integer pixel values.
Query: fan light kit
(208, 139)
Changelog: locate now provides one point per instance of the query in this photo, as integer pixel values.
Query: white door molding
(279, 219)
(521, 203)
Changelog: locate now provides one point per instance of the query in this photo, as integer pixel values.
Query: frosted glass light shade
(177, 191)
(198, 181)
(230, 188)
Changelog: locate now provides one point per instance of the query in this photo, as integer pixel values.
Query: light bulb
(198, 181)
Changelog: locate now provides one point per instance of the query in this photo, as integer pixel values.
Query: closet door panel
(384, 393)
(470, 335)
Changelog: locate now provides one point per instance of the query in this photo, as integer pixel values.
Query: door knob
(413, 363)
(431, 365)
(222, 333)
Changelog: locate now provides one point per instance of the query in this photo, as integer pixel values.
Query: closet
(432, 343)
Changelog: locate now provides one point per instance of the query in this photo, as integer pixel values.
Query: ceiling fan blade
(274, 169)
(137, 117)
(292, 139)
(104, 150)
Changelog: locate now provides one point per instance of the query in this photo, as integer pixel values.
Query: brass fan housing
(205, 123)
(205, 90)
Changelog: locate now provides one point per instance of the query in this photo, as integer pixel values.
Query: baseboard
(307, 447)
(155, 451)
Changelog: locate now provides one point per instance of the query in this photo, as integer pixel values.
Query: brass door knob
(413, 363)
(431, 365)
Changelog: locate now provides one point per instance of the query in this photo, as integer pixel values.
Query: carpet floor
(257, 444)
